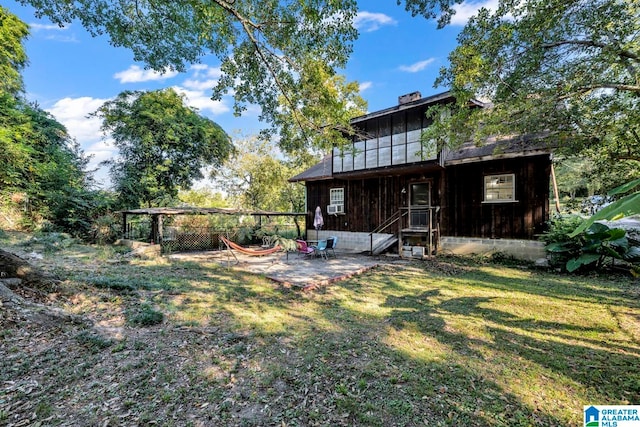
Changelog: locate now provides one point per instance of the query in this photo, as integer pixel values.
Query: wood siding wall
(465, 214)
(368, 202)
(458, 190)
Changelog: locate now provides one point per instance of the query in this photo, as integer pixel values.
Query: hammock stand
(251, 252)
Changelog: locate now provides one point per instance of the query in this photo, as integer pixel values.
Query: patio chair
(331, 245)
(303, 249)
(321, 249)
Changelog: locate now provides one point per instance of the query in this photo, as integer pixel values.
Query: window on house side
(499, 188)
(336, 196)
(336, 200)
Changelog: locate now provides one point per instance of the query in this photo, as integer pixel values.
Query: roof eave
(515, 154)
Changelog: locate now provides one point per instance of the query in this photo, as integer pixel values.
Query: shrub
(558, 230)
(50, 241)
(591, 248)
(106, 229)
(559, 227)
(116, 284)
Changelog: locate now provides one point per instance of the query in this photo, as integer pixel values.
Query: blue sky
(70, 73)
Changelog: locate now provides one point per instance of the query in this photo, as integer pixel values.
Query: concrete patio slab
(291, 270)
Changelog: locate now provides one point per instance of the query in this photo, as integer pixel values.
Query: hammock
(247, 251)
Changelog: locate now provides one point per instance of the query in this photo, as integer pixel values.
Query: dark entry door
(420, 202)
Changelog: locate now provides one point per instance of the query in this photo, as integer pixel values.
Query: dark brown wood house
(389, 186)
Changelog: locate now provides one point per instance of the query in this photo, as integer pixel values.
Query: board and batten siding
(369, 202)
(467, 214)
(457, 189)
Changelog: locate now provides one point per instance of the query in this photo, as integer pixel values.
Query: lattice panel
(189, 240)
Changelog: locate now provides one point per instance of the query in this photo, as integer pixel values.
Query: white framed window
(336, 196)
(336, 201)
(500, 188)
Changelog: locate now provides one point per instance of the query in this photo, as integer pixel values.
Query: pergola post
(154, 228)
(124, 225)
(159, 235)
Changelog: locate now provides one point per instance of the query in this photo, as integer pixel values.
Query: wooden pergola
(157, 215)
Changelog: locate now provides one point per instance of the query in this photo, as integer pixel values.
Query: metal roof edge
(476, 159)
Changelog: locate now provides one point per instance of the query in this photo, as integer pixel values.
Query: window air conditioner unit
(335, 209)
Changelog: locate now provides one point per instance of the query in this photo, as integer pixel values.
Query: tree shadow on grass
(379, 384)
(578, 289)
(608, 367)
(564, 350)
(420, 311)
(476, 307)
(349, 373)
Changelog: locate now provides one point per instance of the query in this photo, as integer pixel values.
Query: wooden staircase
(420, 225)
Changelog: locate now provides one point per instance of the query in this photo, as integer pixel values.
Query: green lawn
(445, 343)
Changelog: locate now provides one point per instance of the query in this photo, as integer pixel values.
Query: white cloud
(204, 77)
(198, 67)
(195, 84)
(364, 86)
(69, 39)
(53, 32)
(418, 66)
(101, 150)
(72, 113)
(466, 10)
(135, 74)
(203, 70)
(200, 100)
(46, 27)
(368, 21)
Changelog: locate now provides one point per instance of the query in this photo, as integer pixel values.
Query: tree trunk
(12, 266)
(18, 274)
(295, 221)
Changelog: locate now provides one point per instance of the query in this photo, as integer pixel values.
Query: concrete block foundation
(529, 250)
(349, 241)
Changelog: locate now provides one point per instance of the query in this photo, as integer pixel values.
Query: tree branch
(590, 43)
(590, 88)
(626, 157)
(635, 135)
(247, 25)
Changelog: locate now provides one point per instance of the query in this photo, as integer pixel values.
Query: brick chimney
(413, 96)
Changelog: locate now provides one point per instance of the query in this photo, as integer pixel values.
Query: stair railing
(397, 216)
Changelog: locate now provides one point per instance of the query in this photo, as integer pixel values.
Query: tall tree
(256, 177)
(566, 70)
(270, 50)
(325, 99)
(204, 198)
(45, 166)
(13, 57)
(41, 166)
(163, 145)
